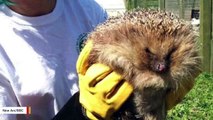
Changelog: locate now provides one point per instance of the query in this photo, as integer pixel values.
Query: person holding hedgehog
(38, 58)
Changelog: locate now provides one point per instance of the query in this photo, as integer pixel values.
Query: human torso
(43, 64)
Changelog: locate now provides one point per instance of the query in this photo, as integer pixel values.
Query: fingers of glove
(82, 63)
(94, 104)
(120, 94)
(91, 116)
(94, 116)
(108, 84)
(102, 81)
(101, 106)
(94, 74)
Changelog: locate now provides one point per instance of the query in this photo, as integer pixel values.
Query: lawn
(198, 104)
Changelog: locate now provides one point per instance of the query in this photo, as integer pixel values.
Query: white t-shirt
(38, 56)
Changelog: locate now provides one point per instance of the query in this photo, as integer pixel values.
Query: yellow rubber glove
(102, 91)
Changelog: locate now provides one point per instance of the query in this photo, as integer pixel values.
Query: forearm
(72, 110)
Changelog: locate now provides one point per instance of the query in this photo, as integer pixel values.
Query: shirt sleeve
(101, 13)
(93, 12)
(8, 98)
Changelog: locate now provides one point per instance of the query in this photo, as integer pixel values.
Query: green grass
(198, 104)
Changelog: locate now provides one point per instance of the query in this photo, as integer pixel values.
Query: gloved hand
(102, 91)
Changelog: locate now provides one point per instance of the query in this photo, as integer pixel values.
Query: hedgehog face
(159, 55)
(157, 63)
(153, 53)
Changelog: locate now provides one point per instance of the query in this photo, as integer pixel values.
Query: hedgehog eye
(172, 51)
(147, 50)
(168, 56)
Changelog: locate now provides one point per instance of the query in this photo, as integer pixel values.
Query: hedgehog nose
(160, 67)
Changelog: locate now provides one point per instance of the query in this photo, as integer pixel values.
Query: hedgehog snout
(160, 66)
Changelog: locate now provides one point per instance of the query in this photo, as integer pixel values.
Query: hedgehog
(156, 52)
